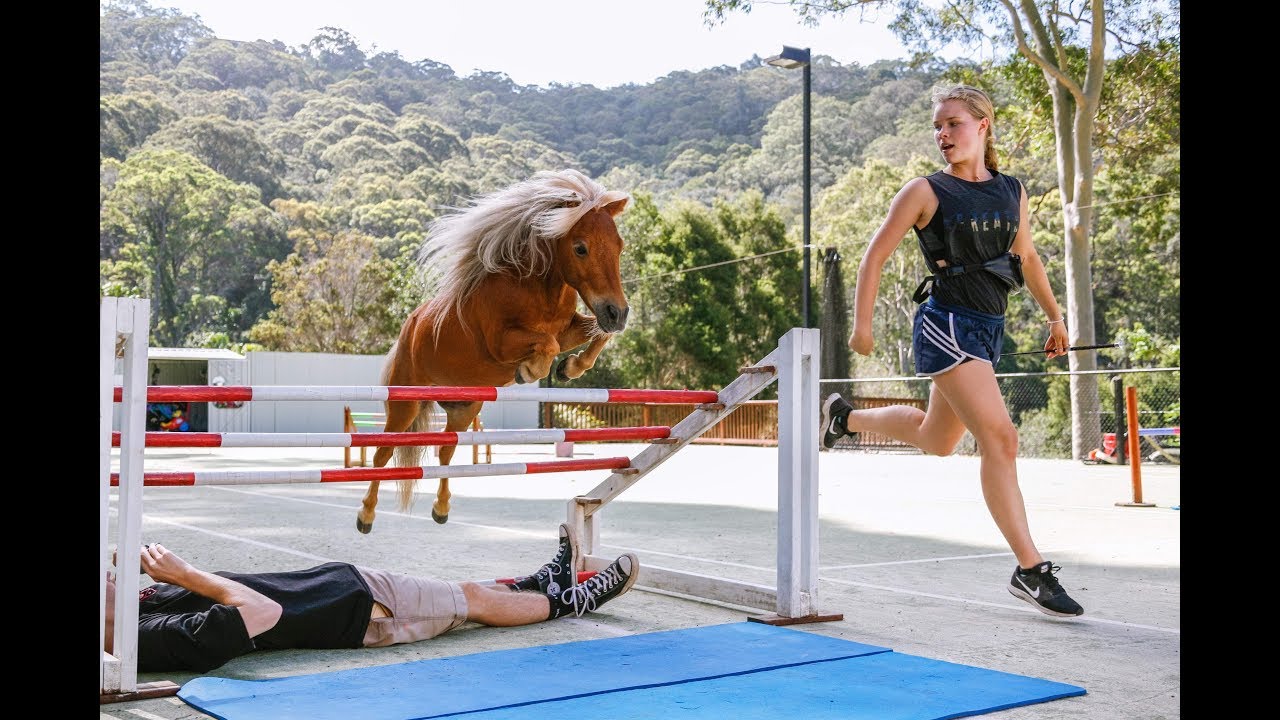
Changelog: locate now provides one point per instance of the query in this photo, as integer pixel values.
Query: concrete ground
(908, 553)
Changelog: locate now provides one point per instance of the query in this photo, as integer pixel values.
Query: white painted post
(106, 383)
(798, 372)
(132, 320)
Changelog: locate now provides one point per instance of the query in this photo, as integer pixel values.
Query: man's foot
(1039, 587)
(834, 412)
(557, 575)
(600, 589)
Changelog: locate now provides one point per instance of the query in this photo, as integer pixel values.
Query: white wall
(284, 368)
(289, 368)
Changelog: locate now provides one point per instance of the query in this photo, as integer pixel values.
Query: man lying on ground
(191, 619)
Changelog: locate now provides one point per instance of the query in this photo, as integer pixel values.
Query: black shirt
(327, 606)
(974, 222)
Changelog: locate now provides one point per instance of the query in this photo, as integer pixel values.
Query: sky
(605, 43)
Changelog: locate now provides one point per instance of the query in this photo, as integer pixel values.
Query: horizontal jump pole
(583, 576)
(396, 439)
(289, 477)
(242, 393)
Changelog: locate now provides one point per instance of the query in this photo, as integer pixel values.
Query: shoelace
(582, 597)
(1048, 580)
(548, 574)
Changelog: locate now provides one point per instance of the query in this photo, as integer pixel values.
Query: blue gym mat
(741, 670)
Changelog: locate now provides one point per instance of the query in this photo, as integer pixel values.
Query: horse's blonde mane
(508, 230)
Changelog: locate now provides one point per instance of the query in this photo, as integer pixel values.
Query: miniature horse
(510, 269)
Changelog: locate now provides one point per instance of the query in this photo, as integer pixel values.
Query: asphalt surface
(908, 553)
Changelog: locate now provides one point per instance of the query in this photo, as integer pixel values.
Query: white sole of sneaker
(825, 421)
(573, 540)
(631, 577)
(826, 408)
(573, 547)
(1022, 595)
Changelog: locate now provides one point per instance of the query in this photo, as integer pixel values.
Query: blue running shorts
(943, 336)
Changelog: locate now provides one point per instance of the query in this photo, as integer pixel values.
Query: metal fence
(1040, 405)
(754, 422)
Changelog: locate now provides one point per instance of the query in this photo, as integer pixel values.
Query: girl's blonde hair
(980, 106)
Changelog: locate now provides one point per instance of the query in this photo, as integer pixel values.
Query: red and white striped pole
(290, 477)
(583, 576)
(212, 393)
(377, 439)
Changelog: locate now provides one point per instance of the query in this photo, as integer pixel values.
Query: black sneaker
(1039, 587)
(834, 412)
(557, 575)
(598, 589)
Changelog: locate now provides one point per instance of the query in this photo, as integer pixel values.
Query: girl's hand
(862, 342)
(1058, 342)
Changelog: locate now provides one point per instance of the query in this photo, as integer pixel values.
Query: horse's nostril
(610, 317)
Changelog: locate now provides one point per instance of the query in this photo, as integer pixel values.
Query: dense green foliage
(258, 192)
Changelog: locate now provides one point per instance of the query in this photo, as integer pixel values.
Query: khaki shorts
(420, 608)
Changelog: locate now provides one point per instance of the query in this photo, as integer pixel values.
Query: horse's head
(589, 258)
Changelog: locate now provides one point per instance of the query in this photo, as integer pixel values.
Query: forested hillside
(277, 195)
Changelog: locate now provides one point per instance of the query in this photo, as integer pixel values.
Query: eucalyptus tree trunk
(1074, 108)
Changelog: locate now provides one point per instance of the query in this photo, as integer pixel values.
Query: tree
(334, 293)
(336, 51)
(185, 236)
(126, 120)
(248, 64)
(133, 30)
(846, 218)
(231, 148)
(1069, 46)
(768, 283)
(677, 335)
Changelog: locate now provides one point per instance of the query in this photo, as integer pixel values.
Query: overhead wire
(811, 246)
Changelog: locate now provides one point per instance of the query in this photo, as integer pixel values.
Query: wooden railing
(353, 421)
(754, 422)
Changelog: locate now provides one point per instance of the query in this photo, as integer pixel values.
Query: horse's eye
(580, 250)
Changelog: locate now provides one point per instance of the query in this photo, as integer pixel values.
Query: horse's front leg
(582, 329)
(533, 351)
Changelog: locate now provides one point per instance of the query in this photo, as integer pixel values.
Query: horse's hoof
(441, 519)
(560, 373)
(363, 526)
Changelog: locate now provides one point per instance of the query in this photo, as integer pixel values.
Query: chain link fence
(1040, 405)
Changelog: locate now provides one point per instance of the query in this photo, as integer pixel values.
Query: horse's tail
(411, 455)
(407, 455)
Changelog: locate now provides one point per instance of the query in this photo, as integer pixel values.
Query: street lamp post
(792, 58)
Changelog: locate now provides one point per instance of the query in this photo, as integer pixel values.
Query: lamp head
(790, 58)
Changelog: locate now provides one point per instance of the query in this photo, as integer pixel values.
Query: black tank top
(974, 222)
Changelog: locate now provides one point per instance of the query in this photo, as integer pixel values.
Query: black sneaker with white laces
(557, 575)
(597, 590)
(1039, 587)
(834, 412)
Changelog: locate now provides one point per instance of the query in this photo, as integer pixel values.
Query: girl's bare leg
(966, 397)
